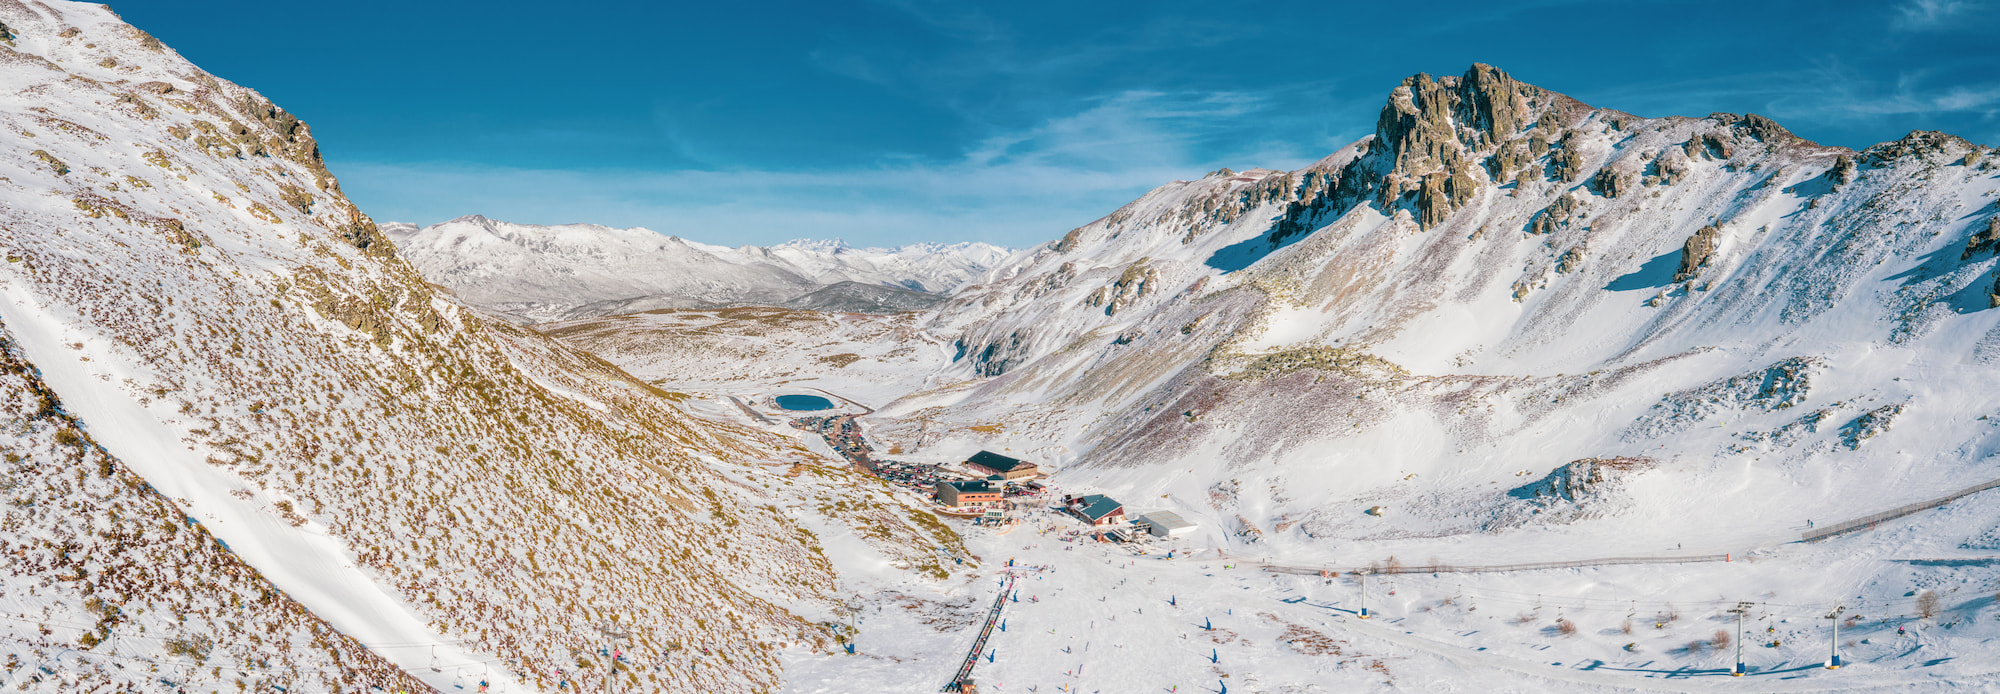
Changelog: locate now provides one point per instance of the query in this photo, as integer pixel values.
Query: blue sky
(896, 121)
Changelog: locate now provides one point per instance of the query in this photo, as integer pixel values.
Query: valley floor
(1091, 616)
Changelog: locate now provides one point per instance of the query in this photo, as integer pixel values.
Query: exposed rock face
(1779, 386)
(1982, 240)
(1697, 252)
(1842, 171)
(1435, 134)
(1611, 182)
(1567, 162)
(1586, 488)
(1556, 216)
(1919, 143)
(1137, 279)
(1578, 479)
(1869, 425)
(1571, 260)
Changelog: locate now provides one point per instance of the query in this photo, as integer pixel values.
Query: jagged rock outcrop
(1579, 479)
(1438, 140)
(1697, 252)
(1580, 489)
(1137, 279)
(1781, 385)
(1869, 425)
(1843, 170)
(1982, 240)
(1611, 182)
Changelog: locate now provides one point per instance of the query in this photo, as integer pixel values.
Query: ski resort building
(1007, 468)
(1097, 509)
(1166, 524)
(967, 493)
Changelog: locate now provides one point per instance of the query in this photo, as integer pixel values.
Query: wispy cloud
(1951, 99)
(1016, 188)
(1929, 15)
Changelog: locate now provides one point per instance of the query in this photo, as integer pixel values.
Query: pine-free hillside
(111, 585)
(532, 273)
(188, 280)
(1497, 283)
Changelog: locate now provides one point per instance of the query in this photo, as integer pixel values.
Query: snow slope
(1507, 328)
(461, 497)
(1483, 292)
(1512, 327)
(540, 273)
(154, 592)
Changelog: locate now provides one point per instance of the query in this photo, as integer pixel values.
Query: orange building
(967, 493)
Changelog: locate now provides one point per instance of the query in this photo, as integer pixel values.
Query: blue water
(804, 402)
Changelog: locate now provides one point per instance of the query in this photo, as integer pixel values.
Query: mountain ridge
(1435, 253)
(535, 273)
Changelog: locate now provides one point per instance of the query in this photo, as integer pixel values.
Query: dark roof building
(1007, 468)
(1097, 509)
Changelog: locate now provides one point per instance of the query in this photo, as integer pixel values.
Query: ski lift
(434, 660)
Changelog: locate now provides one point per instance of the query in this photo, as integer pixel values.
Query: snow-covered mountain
(1508, 327)
(1503, 279)
(540, 273)
(250, 448)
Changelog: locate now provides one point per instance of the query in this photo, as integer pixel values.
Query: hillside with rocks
(1560, 392)
(1509, 333)
(238, 354)
(1502, 279)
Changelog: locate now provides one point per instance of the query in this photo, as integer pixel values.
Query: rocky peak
(1432, 124)
(1433, 131)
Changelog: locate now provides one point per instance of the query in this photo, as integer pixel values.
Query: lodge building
(1008, 468)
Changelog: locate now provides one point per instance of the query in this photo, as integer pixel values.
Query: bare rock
(1578, 490)
(1919, 143)
(1567, 164)
(1571, 260)
(1610, 182)
(1556, 216)
(1843, 170)
(1781, 385)
(1869, 425)
(1697, 252)
(1982, 240)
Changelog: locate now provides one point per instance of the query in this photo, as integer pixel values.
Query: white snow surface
(1319, 377)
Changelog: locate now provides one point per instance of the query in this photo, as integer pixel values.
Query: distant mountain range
(531, 273)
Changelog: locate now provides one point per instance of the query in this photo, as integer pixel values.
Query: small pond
(804, 402)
